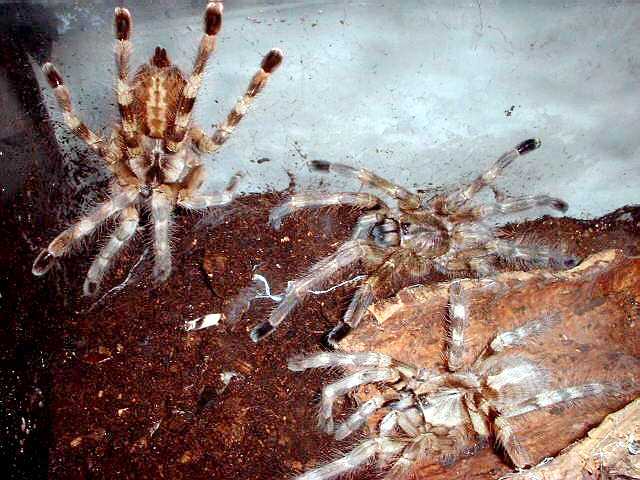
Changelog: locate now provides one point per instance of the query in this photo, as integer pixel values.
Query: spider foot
(335, 335)
(43, 263)
(528, 146)
(122, 24)
(161, 273)
(260, 331)
(90, 288)
(272, 60)
(213, 18)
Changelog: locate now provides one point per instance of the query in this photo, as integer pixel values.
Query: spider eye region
(387, 233)
(160, 58)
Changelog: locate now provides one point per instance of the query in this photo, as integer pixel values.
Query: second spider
(400, 245)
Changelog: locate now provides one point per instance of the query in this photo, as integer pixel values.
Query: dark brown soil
(133, 395)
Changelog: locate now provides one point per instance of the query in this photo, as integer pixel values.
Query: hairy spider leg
(125, 97)
(83, 227)
(348, 253)
(539, 256)
(71, 119)
(460, 197)
(376, 286)
(161, 208)
(129, 220)
(188, 196)
(319, 200)
(457, 322)
(407, 200)
(187, 97)
(270, 63)
(504, 430)
(357, 457)
(340, 387)
(519, 204)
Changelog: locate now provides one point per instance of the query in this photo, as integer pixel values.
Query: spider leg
(337, 389)
(189, 198)
(408, 425)
(270, 63)
(125, 97)
(129, 222)
(71, 119)
(534, 256)
(504, 431)
(361, 415)
(417, 447)
(458, 322)
(299, 363)
(374, 287)
(407, 199)
(319, 200)
(564, 395)
(458, 198)
(524, 333)
(520, 204)
(357, 457)
(83, 227)
(347, 254)
(363, 297)
(506, 437)
(479, 421)
(187, 97)
(161, 208)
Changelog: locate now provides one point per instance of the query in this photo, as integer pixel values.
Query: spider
(443, 413)
(444, 233)
(155, 151)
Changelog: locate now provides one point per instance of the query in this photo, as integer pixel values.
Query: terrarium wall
(425, 93)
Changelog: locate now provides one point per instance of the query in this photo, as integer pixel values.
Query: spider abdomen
(156, 93)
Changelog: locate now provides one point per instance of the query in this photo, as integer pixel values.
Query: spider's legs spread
(339, 388)
(506, 437)
(123, 49)
(83, 227)
(458, 322)
(71, 119)
(270, 63)
(129, 222)
(406, 199)
(319, 200)
(539, 256)
(161, 208)
(187, 97)
(188, 196)
(357, 457)
(460, 197)
(346, 255)
(520, 204)
(377, 285)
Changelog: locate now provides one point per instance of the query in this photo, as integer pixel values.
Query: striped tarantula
(443, 413)
(399, 246)
(155, 150)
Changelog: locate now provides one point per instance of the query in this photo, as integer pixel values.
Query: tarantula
(443, 413)
(403, 244)
(154, 152)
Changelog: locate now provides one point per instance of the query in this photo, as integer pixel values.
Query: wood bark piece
(611, 451)
(597, 339)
